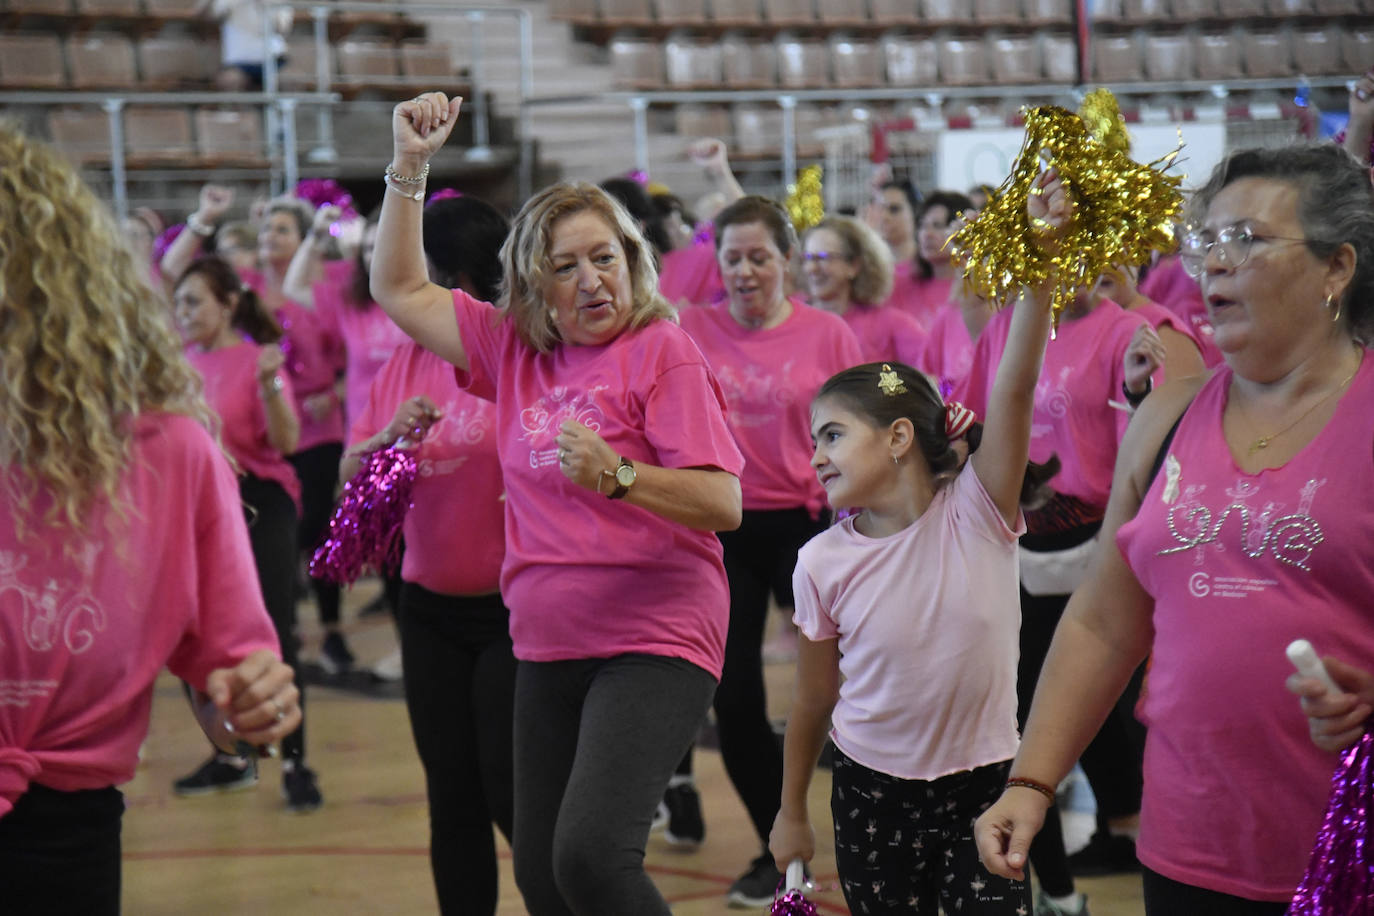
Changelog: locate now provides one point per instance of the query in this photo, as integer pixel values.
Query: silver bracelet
(418, 194)
(396, 176)
(204, 230)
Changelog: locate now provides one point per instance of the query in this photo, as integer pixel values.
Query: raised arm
(1000, 461)
(711, 155)
(399, 280)
(1104, 635)
(215, 201)
(299, 283)
(1359, 130)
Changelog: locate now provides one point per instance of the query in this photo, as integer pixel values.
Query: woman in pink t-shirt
(618, 465)
(923, 273)
(123, 550)
(922, 578)
(771, 354)
(232, 342)
(955, 329)
(848, 271)
(1226, 538)
(456, 653)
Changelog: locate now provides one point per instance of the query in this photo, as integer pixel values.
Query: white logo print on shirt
(753, 394)
(467, 425)
(1289, 538)
(1052, 399)
(541, 420)
(55, 613)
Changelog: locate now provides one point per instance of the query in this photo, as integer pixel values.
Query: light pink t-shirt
(916, 296)
(454, 532)
(770, 378)
(585, 576)
(1081, 373)
(1169, 284)
(369, 336)
(1239, 565)
(928, 622)
(949, 348)
(887, 334)
(231, 388)
(84, 637)
(314, 359)
(691, 275)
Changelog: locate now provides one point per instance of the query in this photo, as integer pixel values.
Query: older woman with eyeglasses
(1241, 510)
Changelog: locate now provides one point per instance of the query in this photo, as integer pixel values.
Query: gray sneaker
(1044, 906)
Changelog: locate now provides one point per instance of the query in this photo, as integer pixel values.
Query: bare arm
(1182, 358)
(816, 690)
(283, 426)
(304, 272)
(1105, 634)
(703, 499)
(215, 201)
(413, 418)
(1000, 461)
(711, 155)
(1359, 130)
(400, 281)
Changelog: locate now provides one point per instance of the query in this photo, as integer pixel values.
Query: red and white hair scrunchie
(958, 419)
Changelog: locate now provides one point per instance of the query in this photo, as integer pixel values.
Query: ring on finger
(281, 710)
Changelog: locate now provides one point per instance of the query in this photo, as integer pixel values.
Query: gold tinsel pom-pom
(805, 205)
(1102, 115)
(1122, 211)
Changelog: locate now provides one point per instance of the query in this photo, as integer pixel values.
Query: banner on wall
(967, 158)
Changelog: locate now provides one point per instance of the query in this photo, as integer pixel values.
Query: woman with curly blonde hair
(848, 270)
(125, 549)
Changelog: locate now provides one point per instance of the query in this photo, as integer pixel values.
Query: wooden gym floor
(365, 851)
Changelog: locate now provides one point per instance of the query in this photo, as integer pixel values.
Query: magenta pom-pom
(323, 192)
(364, 534)
(1340, 871)
(793, 903)
(639, 177)
(443, 194)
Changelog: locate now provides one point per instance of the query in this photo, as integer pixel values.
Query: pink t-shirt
(1239, 565)
(231, 388)
(585, 576)
(454, 531)
(314, 359)
(928, 622)
(916, 296)
(1169, 284)
(770, 378)
(84, 637)
(691, 275)
(369, 336)
(1160, 317)
(1081, 373)
(887, 334)
(949, 348)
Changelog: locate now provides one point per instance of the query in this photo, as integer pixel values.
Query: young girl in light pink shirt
(909, 612)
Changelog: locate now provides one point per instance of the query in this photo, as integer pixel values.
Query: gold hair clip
(889, 382)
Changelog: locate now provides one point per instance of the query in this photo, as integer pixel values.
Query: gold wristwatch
(624, 475)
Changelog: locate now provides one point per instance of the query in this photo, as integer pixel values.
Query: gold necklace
(1262, 442)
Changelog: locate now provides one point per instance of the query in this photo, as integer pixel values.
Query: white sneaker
(388, 668)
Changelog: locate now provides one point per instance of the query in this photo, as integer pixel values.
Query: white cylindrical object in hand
(1309, 664)
(796, 876)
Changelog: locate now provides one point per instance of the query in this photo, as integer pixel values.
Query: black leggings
(59, 853)
(460, 692)
(760, 556)
(272, 533)
(318, 470)
(596, 741)
(1167, 897)
(906, 845)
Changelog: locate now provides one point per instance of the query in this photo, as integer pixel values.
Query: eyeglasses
(1233, 245)
(824, 256)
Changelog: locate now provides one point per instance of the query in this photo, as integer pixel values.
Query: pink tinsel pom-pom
(443, 194)
(364, 533)
(793, 902)
(320, 192)
(1340, 872)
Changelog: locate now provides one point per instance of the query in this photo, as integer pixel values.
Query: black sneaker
(757, 887)
(685, 827)
(1105, 854)
(334, 655)
(221, 773)
(299, 788)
